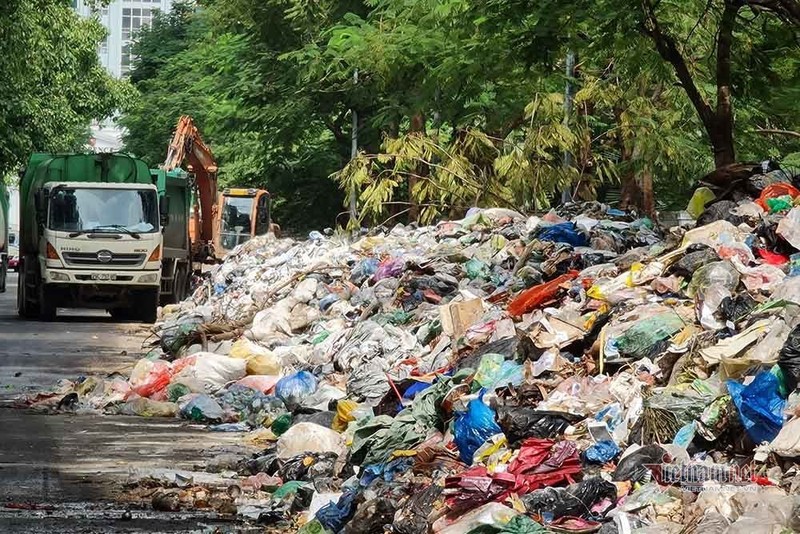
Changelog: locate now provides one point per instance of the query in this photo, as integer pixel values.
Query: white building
(122, 19)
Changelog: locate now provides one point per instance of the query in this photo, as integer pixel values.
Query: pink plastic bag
(262, 383)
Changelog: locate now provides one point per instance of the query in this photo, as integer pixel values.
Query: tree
(52, 83)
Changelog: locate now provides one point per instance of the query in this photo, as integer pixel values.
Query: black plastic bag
(736, 308)
(719, 211)
(693, 260)
(789, 359)
(371, 516)
(307, 467)
(412, 516)
(519, 423)
(518, 348)
(575, 500)
(320, 418)
(635, 466)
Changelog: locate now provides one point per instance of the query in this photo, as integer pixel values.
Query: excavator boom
(187, 145)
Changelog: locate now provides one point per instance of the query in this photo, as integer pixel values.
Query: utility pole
(566, 194)
(354, 153)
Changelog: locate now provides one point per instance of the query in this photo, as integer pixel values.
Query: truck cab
(91, 244)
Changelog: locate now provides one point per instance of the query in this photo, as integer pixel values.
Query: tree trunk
(648, 198)
(717, 121)
(722, 129)
(630, 193)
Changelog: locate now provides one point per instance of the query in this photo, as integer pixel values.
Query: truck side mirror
(163, 208)
(40, 206)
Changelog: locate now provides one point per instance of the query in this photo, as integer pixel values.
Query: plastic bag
(144, 407)
(776, 191)
(639, 339)
(602, 452)
(565, 232)
(719, 272)
(490, 514)
(534, 297)
(789, 227)
(701, 197)
(495, 372)
(719, 211)
(211, 371)
(691, 261)
(789, 359)
(293, 389)
(759, 405)
(201, 408)
(261, 383)
(150, 376)
(473, 427)
(309, 437)
(345, 412)
(633, 466)
(575, 500)
(520, 423)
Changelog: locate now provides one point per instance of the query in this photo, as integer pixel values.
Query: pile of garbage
(583, 371)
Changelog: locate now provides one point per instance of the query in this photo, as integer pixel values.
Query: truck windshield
(103, 210)
(236, 222)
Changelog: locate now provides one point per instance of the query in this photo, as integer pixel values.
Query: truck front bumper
(100, 277)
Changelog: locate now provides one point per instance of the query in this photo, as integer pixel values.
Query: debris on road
(583, 371)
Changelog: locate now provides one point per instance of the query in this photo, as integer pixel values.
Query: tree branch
(770, 131)
(668, 50)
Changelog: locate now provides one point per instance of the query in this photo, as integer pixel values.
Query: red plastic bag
(535, 296)
(772, 258)
(150, 376)
(776, 190)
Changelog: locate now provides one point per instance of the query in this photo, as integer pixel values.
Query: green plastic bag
(640, 339)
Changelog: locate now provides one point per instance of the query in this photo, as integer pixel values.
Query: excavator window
(236, 221)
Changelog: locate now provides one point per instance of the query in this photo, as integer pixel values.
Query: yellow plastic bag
(697, 204)
(264, 364)
(344, 414)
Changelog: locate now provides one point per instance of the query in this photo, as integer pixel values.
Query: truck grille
(90, 259)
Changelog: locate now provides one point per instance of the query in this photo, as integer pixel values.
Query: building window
(133, 19)
(104, 45)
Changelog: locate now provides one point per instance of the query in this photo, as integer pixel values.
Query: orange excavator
(219, 221)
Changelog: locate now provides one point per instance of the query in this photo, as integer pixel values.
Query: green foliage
(460, 102)
(50, 78)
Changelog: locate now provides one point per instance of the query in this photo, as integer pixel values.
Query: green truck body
(92, 235)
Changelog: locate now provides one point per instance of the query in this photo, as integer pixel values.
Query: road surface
(62, 472)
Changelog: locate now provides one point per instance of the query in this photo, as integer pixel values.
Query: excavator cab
(244, 213)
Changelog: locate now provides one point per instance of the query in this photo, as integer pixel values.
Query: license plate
(104, 276)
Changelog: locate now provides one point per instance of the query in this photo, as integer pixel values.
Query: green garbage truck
(91, 235)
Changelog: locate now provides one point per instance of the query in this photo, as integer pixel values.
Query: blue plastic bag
(294, 388)
(760, 406)
(602, 452)
(562, 233)
(473, 427)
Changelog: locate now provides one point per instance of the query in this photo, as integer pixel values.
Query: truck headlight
(149, 278)
(56, 276)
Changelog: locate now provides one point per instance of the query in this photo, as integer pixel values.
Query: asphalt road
(61, 473)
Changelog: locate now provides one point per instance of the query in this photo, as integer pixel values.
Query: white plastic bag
(211, 372)
(309, 437)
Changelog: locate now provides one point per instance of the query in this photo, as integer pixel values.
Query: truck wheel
(148, 305)
(3, 275)
(47, 306)
(26, 285)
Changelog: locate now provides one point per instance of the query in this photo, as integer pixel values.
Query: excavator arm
(187, 145)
